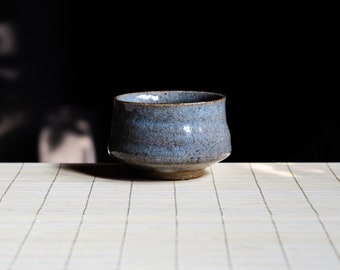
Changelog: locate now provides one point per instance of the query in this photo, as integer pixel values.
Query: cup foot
(181, 175)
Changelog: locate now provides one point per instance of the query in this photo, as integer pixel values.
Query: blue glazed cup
(170, 134)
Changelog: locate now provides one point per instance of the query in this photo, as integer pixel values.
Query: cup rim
(219, 98)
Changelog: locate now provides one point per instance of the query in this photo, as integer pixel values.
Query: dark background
(276, 65)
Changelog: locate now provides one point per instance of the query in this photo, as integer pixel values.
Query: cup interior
(169, 97)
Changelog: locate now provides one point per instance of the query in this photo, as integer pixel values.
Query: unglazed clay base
(185, 175)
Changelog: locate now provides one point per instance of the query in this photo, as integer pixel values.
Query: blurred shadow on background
(35, 123)
(28, 130)
(66, 137)
(17, 130)
(8, 50)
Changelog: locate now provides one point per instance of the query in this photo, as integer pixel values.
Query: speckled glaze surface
(170, 134)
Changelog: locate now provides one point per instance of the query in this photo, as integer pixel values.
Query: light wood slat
(253, 241)
(237, 216)
(298, 223)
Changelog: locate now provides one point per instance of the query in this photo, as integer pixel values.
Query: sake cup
(170, 135)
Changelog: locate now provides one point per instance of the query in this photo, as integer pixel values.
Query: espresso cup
(170, 134)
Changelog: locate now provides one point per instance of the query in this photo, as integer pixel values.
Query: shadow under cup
(170, 134)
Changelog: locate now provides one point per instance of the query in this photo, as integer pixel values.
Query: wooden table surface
(237, 216)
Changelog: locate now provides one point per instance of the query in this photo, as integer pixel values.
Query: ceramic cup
(170, 134)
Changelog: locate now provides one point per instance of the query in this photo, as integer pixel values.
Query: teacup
(170, 134)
